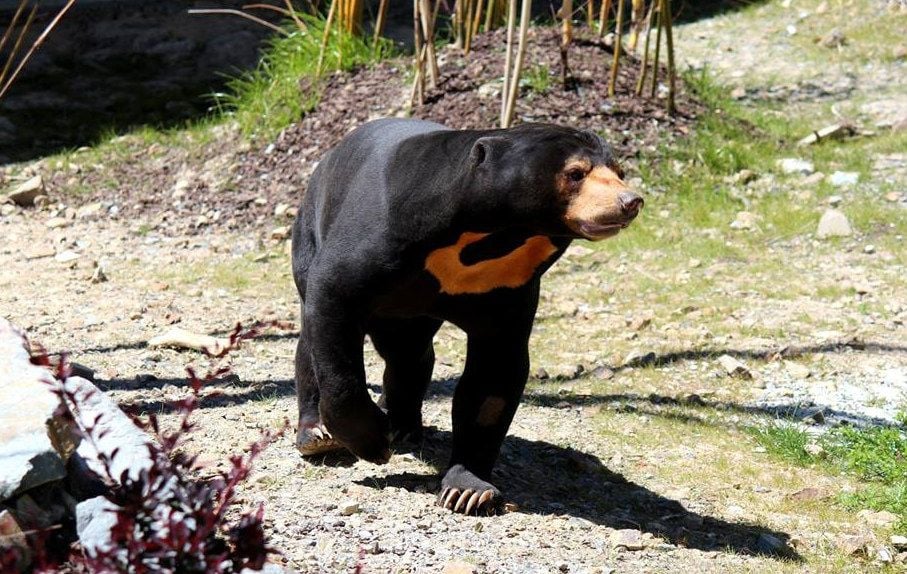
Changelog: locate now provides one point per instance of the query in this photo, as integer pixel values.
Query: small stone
(853, 544)
(844, 178)
(796, 370)
(869, 249)
(835, 200)
(541, 374)
(66, 256)
(881, 519)
(745, 221)
(90, 211)
(834, 39)
(603, 373)
(281, 210)
(99, 276)
(25, 193)
(813, 449)
(349, 508)
(813, 179)
(640, 323)
(694, 263)
(280, 233)
(808, 494)
(40, 252)
(7, 209)
(734, 368)
(833, 224)
(56, 222)
(898, 541)
(791, 165)
(459, 567)
(893, 196)
(637, 358)
(738, 93)
(628, 538)
(884, 556)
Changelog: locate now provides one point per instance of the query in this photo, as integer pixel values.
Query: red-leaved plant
(166, 521)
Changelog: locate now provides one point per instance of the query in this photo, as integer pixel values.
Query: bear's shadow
(543, 478)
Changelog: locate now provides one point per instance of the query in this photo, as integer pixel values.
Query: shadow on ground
(542, 478)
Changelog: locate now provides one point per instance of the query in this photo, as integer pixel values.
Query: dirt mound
(225, 184)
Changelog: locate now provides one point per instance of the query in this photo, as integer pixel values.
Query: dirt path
(630, 452)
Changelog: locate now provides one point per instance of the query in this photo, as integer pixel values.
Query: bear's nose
(630, 203)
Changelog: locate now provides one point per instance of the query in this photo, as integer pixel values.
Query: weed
(538, 79)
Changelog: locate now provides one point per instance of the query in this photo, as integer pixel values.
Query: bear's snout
(630, 204)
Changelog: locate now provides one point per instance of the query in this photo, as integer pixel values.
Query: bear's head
(555, 180)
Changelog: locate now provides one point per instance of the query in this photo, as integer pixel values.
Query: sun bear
(406, 224)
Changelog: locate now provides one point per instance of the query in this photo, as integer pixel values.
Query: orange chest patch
(511, 270)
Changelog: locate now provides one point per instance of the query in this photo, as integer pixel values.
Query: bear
(406, 224)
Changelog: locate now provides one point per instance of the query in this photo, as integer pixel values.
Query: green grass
(538, 78)
(876, 456)
(285, 84)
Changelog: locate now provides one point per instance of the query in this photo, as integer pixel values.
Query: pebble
(844, 178)
(833, 224)
(459, 567)
(869, 249)
(835, 200)
(734, 368)
(348, 508)
(898, 541)
(791, 165)
(744, 221)
(628, 538)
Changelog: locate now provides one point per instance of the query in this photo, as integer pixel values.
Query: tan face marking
(593, 208)
(490, 411)
(512, 270)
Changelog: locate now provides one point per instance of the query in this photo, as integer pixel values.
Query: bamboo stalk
(428, 38)
(9, 29)
(458, 17)
(35, 45)
(490, 14)
(239, 13)
(518, 65)
(418, 92)
(18, 43)
(505, 90)
(332, 11)
(603, 18)
(658, 32)
(669, 37)
(477, 19)
(637, 16)
(618, 36)
(590, 13)
(379, 22)
(645, 50)
(566, 39)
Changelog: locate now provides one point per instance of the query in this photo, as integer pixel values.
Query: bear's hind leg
(409, 357)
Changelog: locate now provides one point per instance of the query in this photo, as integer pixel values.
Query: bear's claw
(315, 440)
(467, 500)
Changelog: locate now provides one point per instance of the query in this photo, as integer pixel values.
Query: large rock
(34, 444)
(833, 224)
(25, 193)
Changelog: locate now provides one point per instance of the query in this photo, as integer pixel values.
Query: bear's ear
(487, 149)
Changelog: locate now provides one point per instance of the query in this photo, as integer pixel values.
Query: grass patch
(284, 85)
(877, 456)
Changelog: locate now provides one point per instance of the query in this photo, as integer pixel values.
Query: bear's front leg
(487, 396)
(336, 338)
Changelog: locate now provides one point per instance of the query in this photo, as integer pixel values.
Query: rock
(40, 252)
(884, 556)
(833, 223)
(770, 545)
(349, 508)
(835, 200)
(893, 196)
(628, 538)
(34, 444)
(25, 193)
(869, 249)
(637, 358)
(281, 210)
(603, 373)
(7, 209)
(745, 221)
(813, 179)
(56, 222)
(791, 165)
(280, 233)
(886, 113)
(853, 544)
(99, 275)
(459, 567)
(881, 518)
(843, 178)
(734, 368)
(490, 90)
(738, 93)
(66, 256)
(541, 374)
(182, 339)
(898, 541)
(834, 39)
(796, 370)
(90, 211)
(808, 493)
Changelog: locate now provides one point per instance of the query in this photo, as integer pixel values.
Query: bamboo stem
(518, 65)
(590, 13)
(477, 19)
(239, 13)
(505, 90)
(645, 50)
(418, 92)
(19, 38)
(566, 39)
(669, 36)
(490, 10)
(618, 36)
(428, 38)
(37, 43)
(658, 33)
(603, 18)
(332, 11)
(637, 16)
(379, 22)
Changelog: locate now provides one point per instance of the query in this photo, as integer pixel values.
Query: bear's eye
(576, 175)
